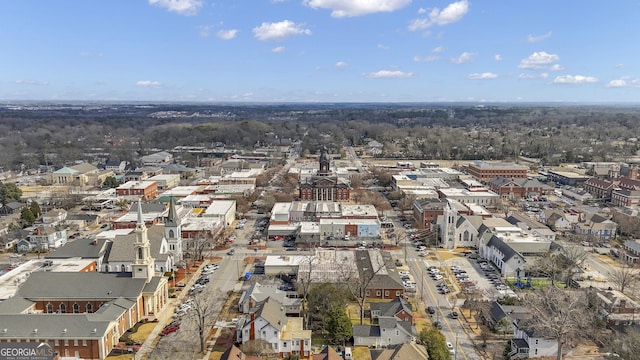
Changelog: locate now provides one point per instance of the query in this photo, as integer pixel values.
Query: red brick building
(147, 190)
(324, 186)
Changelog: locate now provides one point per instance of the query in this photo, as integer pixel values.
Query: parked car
(431, 309)
(231, 252)
(170, 329)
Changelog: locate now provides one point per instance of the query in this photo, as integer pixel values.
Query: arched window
(140, 254)
(123, 268)
(63, 309)
(466, 235)
(50, 308)
(89, 308)
(76, 308)
(171, 234)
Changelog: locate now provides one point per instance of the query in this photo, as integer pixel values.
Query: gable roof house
(267, 321)
(400, 352)
(598, 227)
(388, 331)
(11, 208)
(378, 269)
(530, 343)
(54, 216)
(399, 308)
(617, 309)
(47, 237)
(503, 256)
(328, 353)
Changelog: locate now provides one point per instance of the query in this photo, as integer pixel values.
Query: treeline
(58, 136)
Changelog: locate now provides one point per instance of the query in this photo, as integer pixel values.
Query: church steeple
(143, 265)
(173, 232)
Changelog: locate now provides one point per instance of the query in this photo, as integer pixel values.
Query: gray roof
(122, 248)
(503, 247)
(84, 248)
(381, 269)
(52, 326)
(80, 285)
(172, 219)
(632, 244)
(147, 207)
(391, 308)
(271, 310)
(15, 305)
(366, 330)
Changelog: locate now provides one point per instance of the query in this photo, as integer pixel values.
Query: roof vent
(35, 331)
(4, 331)
(64, 331)
(94, 331)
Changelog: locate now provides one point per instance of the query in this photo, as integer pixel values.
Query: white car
(422, 248)
(423, 253)
(437, 277)
(434, 271)
(450, 347)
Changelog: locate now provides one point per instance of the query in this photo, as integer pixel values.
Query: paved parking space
(478, 278)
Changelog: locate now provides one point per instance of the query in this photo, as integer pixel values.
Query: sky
(276, 51)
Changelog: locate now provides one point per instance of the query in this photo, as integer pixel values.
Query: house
(597, 227)
(117, 166)
(529, 343)
(11, 208)
(46, 237)
(388, 331)
(399, 308)
(157, 159)
(268, 322)
(55, 216)
(379, 268)
(84, 248)
(556, 219)
(234, 353)
(632, 251)
(328, 353)
(258, 293)
(400, 352)
(500, 318)
(617, 309)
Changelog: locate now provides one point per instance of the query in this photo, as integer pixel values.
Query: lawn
(143, 332)
(354, 314)
(361, 353)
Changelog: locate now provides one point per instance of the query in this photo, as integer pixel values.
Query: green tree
(339, 326)
(35, 209)
(9, 192)
(435, 343)
(111, 182)
(27, 216)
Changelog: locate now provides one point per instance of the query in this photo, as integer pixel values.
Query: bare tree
(368, 264)
(202, 312)
(560, 314)
(624, 277)
(257, 347)
(561, 265)
(304, 284)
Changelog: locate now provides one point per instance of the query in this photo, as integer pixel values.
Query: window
(171, 234)
(75, 342)
(76, 308)
(378, 293)
(63, 309)
(89, 308)
(368, 293)
(66, 342)
(50, 308)
(386, 293)
(397, 292)
(284, 344)
(84, 342)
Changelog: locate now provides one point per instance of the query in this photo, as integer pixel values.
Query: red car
(169, 329)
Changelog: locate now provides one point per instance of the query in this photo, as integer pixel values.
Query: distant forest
(58, 134)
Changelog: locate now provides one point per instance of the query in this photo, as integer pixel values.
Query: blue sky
(320, 50)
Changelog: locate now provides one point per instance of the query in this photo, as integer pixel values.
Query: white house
(388, 331)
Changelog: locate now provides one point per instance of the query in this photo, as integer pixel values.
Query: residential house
(596, 227)
(117, 166)
(45, 237)
(557, 220)
(530, 343)
(399, 308)
(257, 293)
(379, 267)
(54, 217)
(268, 322)
(11, 208)
(500, 318)
(401, 352)
(617, 309)
(328, 353)
(234, 353)
(388, 331)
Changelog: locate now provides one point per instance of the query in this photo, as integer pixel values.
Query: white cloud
(454, 12)
(183, 7)
(383, 47)
(482, 76)
(538, 38)
(538, 60)
(497, 57)
(438, 49)
(556, 67)
(227, 34)
(341, 64)
(32, 82)
(148, 83)
(389, 74)
(278, 49)
(619, 66)
(534, 76)
(575, 79)
(623, 82)
(430, 58)
(465, 57)
(279, 31)
(348, 8)
(422, 11)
